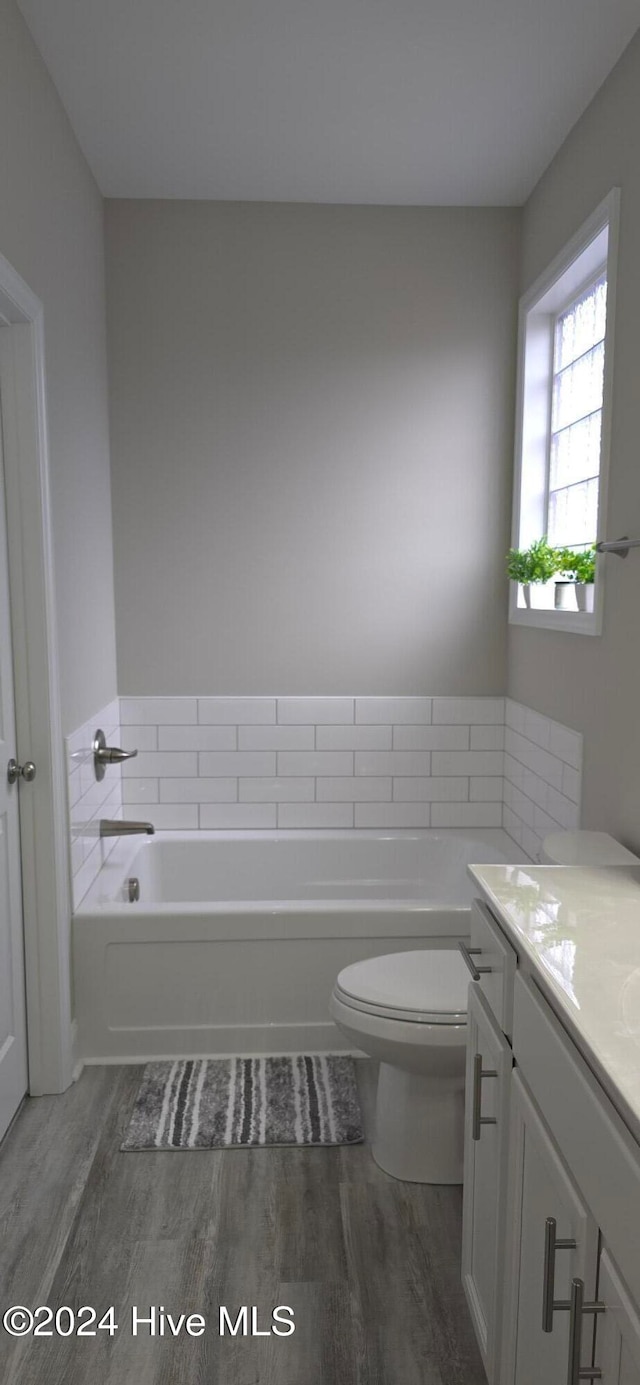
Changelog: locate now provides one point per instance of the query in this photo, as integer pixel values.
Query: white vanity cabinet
(551, 1213)
(488, 1077)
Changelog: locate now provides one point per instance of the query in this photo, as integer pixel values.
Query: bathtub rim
(121, 860)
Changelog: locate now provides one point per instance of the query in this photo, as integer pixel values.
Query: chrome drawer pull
(551, 1245)
(477, 1119)
(577, 1307)
(467, 954)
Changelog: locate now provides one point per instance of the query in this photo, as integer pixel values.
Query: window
(563, 412)
(576, 419)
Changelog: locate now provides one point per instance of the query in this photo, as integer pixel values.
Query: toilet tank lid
(585, 849)
(431, 980)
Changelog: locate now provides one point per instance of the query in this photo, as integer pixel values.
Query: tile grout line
(542, 781)
(570, 801)
(537, 772)
(536, 805)
(543, 749)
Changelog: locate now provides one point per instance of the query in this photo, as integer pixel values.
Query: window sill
(548, 618)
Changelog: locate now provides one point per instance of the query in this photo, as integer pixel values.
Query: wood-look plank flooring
(371, 1266)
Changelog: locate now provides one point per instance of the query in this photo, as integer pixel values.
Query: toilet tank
(585, 849)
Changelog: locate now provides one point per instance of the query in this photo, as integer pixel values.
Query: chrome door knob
(26, 771)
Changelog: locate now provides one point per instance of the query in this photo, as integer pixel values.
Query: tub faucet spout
(111, 827)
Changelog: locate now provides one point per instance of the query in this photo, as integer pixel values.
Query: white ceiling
(384, 101)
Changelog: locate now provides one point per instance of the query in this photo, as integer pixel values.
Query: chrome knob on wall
(104, 755)
(26, 771)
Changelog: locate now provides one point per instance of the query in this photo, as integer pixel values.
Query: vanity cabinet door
(540, 1187)
(617, 1351)
(488, 1075)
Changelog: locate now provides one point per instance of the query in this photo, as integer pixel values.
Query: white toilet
(408, 1010)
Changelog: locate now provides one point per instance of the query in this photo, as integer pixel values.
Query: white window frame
(593, 248)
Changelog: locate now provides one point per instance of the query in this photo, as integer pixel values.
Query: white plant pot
(542, 596)
(564, 597)
(526, 592)
(584, 595)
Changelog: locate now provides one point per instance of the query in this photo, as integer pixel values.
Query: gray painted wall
(594, 684)
(51, 232)
(311, 421)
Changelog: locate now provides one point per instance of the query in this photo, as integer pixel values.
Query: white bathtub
(237, 938)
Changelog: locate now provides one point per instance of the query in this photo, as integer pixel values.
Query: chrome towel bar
(619, 546)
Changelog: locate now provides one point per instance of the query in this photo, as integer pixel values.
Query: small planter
(572, 596)
(579, 570)
(532, 568)
(584, 596)
(536, 596)
(564, 596)
(542, 596)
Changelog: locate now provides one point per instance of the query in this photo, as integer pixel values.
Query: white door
(486, 1134)
(13, 1033)
(536, 1344)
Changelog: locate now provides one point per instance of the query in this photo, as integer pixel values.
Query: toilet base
(419, 1133)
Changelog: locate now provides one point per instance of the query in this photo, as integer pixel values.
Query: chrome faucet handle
(112, 754)
(104, 755)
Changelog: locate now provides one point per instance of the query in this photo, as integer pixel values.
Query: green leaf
(535, 564)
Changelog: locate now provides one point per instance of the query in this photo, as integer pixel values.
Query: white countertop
(580, 930)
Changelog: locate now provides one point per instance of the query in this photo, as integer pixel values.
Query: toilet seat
(426, 987)
(408, 1016)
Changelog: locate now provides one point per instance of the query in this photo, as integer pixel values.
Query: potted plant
(579, 571)
(532, 566)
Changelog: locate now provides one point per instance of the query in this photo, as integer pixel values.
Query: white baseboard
(77, 1062)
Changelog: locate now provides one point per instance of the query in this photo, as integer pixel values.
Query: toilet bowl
(408, 1010)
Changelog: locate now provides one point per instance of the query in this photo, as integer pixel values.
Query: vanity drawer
(495, 960)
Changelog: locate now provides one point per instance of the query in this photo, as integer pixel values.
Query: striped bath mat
(209, 1103)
